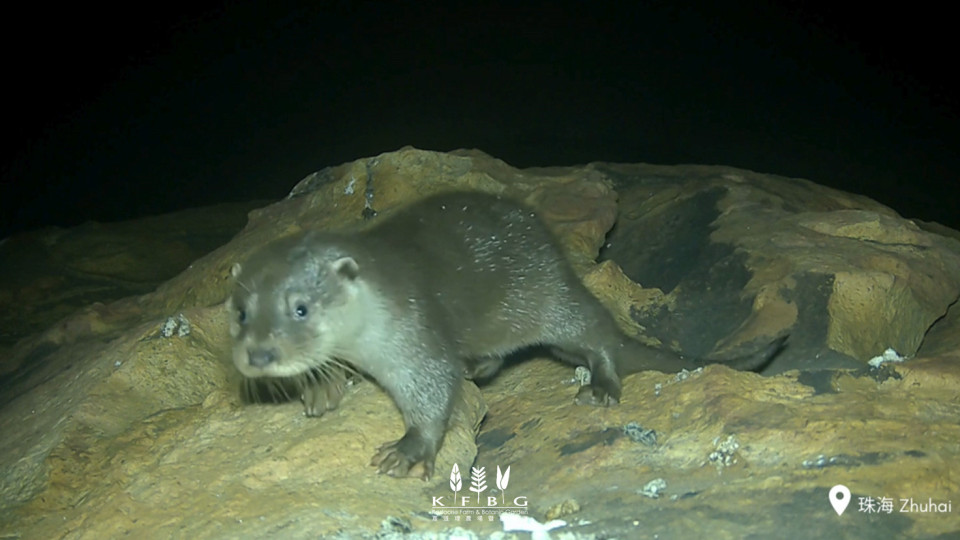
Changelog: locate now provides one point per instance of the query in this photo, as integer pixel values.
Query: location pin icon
(839, 498)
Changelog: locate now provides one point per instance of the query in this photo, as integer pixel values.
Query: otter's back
(493, 268)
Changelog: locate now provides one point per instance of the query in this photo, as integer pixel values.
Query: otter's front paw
(319, 397)
(398, 458)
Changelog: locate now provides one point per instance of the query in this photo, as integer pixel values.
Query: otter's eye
(300, 311)
(241, 316)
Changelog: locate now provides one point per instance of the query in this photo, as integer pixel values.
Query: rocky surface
(120, 412)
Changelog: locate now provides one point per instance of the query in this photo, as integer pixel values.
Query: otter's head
(293, 308)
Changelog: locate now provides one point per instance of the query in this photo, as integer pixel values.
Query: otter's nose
(261, 357)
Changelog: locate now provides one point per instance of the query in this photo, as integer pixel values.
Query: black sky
(114, 114)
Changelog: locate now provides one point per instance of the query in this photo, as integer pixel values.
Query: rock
(116, 421)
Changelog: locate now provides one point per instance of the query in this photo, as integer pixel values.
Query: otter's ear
(346, 267)
(235, 270)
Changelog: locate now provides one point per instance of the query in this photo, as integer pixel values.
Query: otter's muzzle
(261, 358)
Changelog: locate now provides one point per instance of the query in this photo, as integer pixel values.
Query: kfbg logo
(478, 485)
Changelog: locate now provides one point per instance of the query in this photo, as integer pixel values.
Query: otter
(439, 291)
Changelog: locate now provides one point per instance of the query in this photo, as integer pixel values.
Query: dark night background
(118, 112)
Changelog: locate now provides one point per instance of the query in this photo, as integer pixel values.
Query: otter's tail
(640, 357)
(753, 361)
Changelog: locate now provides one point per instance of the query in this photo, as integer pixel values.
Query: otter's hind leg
(604, 387)
(483, 368)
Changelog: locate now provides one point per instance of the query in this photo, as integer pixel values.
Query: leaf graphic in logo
(478, 481)
(502, 480)
(455, 483)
